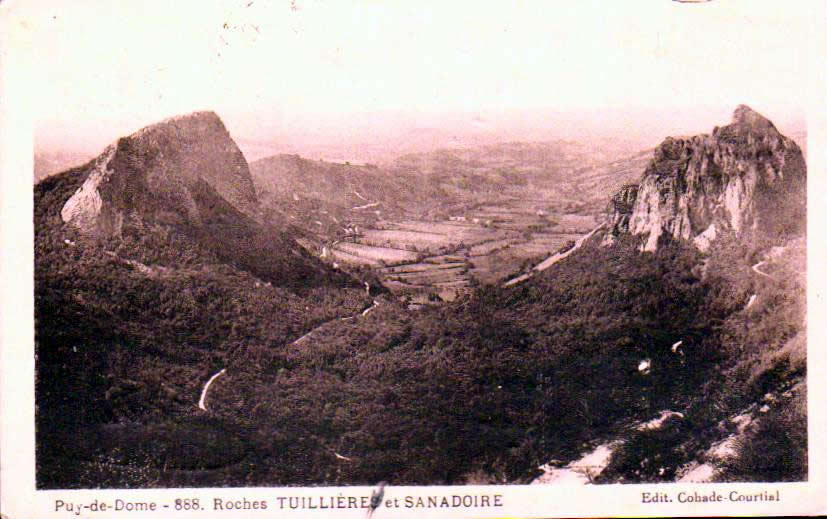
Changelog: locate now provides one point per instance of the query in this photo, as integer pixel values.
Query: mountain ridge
(186, 175)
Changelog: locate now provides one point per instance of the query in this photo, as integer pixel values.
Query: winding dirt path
(362, 313)
(366, 206)
(756, 268)
(202, 403)
(366, 311)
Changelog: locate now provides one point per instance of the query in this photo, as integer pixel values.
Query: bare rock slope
(165, 172)
(620, 208)
(745, 177)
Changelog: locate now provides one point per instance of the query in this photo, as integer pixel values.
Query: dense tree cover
(129, 328)
(499, 383)
(761, 352)
(776, 450)
(487, 388)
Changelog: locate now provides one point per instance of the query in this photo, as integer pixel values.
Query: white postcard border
(21, 500)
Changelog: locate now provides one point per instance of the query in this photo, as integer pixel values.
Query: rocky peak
(745, 118)
(165, 172)
(747, 128)
(745, 177)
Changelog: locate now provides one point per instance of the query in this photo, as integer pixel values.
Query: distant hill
(326, 197)
(592, 185)
(511, 164)
(49, 162)
(544, 159)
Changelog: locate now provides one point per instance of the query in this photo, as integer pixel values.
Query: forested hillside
(193, 344)
(128, 328)
(484, 391)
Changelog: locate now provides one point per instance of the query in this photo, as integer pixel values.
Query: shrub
(776, 451)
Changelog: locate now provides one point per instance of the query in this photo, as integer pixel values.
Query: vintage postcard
(412, 259)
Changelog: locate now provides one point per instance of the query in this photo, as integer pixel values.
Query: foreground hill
(147, 279)
(488, 389)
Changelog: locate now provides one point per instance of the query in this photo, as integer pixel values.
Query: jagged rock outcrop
(620, 211)
(176, 171)
(745, 177)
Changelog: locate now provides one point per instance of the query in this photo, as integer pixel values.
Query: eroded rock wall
(745, 177)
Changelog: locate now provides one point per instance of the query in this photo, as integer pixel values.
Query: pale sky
(348, 73)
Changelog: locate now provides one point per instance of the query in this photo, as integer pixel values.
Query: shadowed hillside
(130, 323)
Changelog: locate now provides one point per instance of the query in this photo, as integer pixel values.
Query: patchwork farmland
(425, 261)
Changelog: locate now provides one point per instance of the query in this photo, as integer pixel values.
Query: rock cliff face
(175, 171)
(745, 177)
(620, 211)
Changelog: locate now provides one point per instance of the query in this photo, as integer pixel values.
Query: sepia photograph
(380, 245)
